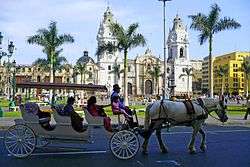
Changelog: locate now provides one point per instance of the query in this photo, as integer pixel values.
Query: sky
(81, 18)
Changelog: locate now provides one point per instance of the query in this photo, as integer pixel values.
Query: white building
(178, 58)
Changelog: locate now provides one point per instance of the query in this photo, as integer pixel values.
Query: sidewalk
(232, 121)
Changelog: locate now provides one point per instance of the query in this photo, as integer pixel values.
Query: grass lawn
(4, 103)
(12, 114)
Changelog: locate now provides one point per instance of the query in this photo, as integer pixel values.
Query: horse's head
(212, 104)
(221, 112)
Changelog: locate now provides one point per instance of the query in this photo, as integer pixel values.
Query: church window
(109, 78)
(90, 76)
(129, 68)
(183, 80)
(109, 67)
(90, 68)
(181, 52)
(109, 20)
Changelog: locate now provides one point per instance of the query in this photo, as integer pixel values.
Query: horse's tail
(147, 117)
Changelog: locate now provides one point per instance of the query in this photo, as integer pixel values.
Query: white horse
(175, 113)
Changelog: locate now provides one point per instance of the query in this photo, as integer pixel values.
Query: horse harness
(189, 106)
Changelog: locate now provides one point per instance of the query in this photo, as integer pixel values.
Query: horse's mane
(210, 102)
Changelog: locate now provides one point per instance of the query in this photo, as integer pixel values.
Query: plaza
(189, 59)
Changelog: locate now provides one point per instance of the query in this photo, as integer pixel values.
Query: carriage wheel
(41, 142)
(124, 144)
(20, 141)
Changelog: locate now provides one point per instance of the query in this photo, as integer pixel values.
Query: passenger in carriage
(98, 111)
(68, 108)
(76, 119)
(119, 107)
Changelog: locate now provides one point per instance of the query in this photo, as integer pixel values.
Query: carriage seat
(91, 120)
(29, 112)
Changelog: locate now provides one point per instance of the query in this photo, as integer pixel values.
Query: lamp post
(164, 46)
(9, 65)
(14, 79)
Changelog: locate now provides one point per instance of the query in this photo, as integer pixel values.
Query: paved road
(227, 146)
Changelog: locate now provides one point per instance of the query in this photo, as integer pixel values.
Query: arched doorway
(129, 88)
(148, 87)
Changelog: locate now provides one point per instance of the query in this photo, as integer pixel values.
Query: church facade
(141, 77)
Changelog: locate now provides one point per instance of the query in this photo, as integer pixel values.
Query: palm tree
(81, 67)
(245, 67)
(208, 25)
(188, 73)
(51, 42)
(126, 40)
(221, 72)
(156, 74)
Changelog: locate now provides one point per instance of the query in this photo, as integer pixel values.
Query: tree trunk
(84, 78)
(246, 86)
(81, 77)
(51, 77)
(211, 67)
(158, 87)
(125, 79)
(222, 86)
(188, 86)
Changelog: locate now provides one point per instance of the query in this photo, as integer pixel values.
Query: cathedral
(107, 70)
(140, 70)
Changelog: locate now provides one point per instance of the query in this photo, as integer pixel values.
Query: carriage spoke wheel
(124, 144)
(20, 141)
(41, 142)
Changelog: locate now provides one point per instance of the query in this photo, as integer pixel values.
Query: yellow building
(234, 80)
(205, 75)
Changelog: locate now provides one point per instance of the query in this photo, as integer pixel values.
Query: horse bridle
(200, 102)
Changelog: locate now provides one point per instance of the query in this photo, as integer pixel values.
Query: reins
(206, 110)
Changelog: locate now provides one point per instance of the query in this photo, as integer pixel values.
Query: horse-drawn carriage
(27, 134)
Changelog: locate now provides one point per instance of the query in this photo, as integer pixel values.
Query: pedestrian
(248, 108)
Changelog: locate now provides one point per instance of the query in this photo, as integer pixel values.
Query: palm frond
(137, 40)
(203, 38)
(213, 16)
(36, 39)
(132, 29)
(199, 22)
(106, 47)
(225, 24)
(65, 38)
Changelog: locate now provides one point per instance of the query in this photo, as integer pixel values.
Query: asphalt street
(226, 146)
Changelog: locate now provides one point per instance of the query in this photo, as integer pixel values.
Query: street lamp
(164, 46)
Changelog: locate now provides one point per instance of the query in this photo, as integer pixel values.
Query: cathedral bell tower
(178, 59)
(107, 59)
(178, 41)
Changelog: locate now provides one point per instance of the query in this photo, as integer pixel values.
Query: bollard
(1, 112)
